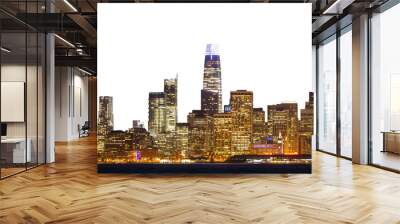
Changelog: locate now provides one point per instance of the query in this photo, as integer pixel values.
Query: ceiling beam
(84, 24)
(82, 61)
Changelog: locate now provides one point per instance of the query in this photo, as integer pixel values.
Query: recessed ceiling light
(84, 71)
(337, 7)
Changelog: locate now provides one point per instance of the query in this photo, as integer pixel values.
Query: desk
(391, 141)
(13, 150)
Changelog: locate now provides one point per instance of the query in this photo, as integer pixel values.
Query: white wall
(71, 102)
(10, 73)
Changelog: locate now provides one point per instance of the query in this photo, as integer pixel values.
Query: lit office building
(306, 127)
(200, 142)
(305, 141)
(211, 94)
(283, 123)
(222, 135)
(169, 151)
(160, 143)
(291, 140)
(115, 147)
(157, 115)
(170, 94)
(258, 126)
(140, 138)
(307, 116)
(105, 118)
(182, 139)
(242, 121)
(209, 102)
(277, 121)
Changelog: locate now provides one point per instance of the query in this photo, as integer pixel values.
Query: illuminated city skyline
(214, 133)
(211, 90)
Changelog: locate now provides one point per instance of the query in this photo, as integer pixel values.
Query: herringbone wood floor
(70, 191)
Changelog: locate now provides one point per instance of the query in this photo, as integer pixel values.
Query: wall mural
(226, 130)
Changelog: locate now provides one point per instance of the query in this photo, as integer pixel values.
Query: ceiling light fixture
(70, 5)
(5, 50)
(64, 40)
(337, 7)
(84, 71)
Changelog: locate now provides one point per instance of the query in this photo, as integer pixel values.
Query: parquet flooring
(70, 191)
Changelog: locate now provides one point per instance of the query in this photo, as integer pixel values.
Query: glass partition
(22, 93)
(13, 109)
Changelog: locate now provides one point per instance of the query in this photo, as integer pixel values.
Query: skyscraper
(157, 115)
(106, 117)
(211, 94)
(258, 126)
(306, 127)
(200, 141)
(222, 136)
(115, 146)
(242, 121)
(182, 139)
(209, 102)
(163, 117)
(283, 121)
(170, 93)
(307, 115)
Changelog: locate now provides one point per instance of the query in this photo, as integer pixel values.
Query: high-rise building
(241, 102)
(209, 102)
(106, 118)
(222, 136)
(211, 94)
(157, 113)
(307, 115)
(115, 147)
(283, 122)
(169, 151)
(182, 139)
(306, 127)
(163, 118)
(140, 138)
(200, 141)
(259, 126)
(171, 100)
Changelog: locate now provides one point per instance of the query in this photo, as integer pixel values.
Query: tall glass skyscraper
(105, 122)
(171, 100)
(157, 116)
(211, 94)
